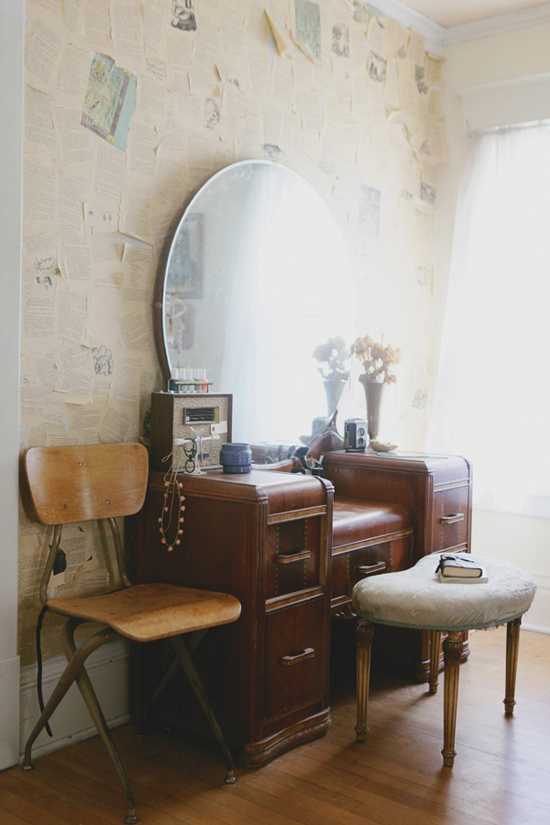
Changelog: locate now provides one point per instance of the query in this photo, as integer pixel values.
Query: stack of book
(459, 568)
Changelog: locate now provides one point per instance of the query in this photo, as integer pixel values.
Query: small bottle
(172, 383)
(196, 381)
(187, 379)
(204, 382)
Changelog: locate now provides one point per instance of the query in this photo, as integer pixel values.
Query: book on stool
(458, 568)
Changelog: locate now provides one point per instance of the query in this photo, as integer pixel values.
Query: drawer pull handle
(453, 518)
(369, 569)
(287, 558)
(308, 653)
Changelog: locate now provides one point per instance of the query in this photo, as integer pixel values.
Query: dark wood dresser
(266, 539)
(437, 491)
(290, 550)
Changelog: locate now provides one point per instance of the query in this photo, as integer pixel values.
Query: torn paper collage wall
(129, 108)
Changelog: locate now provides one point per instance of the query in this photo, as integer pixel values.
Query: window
(491, 401)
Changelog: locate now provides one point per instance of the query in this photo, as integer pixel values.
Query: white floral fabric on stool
(416, 598)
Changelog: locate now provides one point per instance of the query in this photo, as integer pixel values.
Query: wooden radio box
(203, 416)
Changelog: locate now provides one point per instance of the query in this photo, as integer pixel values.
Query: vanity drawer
(350, 567)
(292, 556)
(295, 659)
(450, 520)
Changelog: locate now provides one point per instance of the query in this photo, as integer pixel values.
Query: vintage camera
(355, 435)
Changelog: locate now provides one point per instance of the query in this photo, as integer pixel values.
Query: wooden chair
(75, 484)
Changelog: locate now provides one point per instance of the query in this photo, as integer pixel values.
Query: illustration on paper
(377, 68)
(110, 100)
(211, 113)
(103, 360)
(183, 15)
(369, 211)
(340, 39)
(308, 26)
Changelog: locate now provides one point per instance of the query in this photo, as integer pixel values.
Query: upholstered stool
(416, 598)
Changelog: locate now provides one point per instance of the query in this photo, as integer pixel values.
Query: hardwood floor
(501, 774)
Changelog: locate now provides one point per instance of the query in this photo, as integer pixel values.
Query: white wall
(500, 57)
(11, 107)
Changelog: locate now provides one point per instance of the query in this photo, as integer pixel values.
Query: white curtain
(491, 401)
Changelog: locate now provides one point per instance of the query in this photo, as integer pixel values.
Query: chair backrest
(98, 481)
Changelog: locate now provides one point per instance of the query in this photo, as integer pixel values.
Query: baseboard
(537, 617)
(71, 722)
(9, 712)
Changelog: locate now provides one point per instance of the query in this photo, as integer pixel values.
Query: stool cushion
(416, 598)
(356, 519)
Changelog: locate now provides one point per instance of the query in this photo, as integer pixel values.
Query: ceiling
(454, 12)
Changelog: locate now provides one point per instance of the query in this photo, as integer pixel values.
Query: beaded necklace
(173, 505)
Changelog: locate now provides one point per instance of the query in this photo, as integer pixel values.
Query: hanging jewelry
(173, 505)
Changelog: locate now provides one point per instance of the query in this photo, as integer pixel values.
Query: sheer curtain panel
(491, 400)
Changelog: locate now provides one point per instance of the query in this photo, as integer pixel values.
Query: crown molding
(510, 21)
(438, 37)
(410, 18)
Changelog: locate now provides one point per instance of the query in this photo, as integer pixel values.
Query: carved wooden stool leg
(452, 650)
(512, 650)
(435, 644)
(365, 632)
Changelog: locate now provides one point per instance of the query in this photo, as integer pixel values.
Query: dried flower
(376, 360)
(334, 359)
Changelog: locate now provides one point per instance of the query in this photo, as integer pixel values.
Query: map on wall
(110, 100)
(308, 27)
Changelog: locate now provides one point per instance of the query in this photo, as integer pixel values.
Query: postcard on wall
(308, 28)
(110, 100)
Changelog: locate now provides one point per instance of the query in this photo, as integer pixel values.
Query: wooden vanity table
(290, 547)
(438, 492)
(265, 538)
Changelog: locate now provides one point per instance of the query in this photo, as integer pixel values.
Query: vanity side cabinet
(438, 491)
(263, 538)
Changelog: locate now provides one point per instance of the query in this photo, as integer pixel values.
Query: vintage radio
(175, 417)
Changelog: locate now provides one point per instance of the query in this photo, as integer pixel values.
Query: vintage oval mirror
(257, 276)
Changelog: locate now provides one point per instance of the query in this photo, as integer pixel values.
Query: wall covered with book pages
(130, 107)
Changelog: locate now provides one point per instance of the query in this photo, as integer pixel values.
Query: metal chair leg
(512, 650)
(67, 678)
(365, 632)
(192, 643)
(88, 694)
(186, 662)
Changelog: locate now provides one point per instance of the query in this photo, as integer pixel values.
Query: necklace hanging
(173, 506)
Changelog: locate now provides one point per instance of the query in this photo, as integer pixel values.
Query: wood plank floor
(501, 774)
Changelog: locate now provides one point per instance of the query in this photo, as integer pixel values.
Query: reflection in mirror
(257, 277)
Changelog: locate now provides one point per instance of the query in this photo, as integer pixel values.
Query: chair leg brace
(75, 671)
(185, 660)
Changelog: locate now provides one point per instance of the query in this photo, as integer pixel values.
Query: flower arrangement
(376, 359)
(333, 359)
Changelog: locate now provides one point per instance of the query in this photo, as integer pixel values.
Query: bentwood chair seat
(93, 482)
